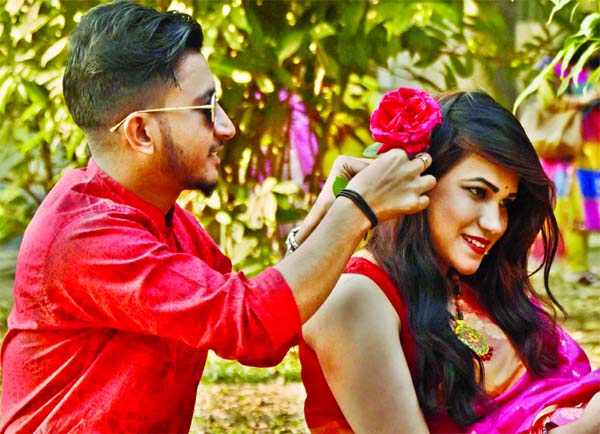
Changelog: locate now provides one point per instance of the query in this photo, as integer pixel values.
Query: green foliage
(231, 372)
(328, 53)
(38, 140)
(582, 19)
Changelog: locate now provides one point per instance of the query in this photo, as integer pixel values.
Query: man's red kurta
(116, 306)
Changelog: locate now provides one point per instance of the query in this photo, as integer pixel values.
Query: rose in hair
(404, 119)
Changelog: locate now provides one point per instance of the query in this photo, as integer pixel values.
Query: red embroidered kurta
(115, 309)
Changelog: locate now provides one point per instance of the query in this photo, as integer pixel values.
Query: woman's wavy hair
(476, 124)
(120, 55)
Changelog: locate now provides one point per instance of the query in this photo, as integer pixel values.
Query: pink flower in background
(404, 119)
(303, 142)
(562, 72)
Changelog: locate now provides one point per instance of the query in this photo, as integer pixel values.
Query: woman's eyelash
(477, 191)
(481, 193)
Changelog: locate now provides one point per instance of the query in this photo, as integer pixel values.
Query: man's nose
(224, 128)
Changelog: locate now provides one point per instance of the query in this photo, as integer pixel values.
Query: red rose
(404, 119)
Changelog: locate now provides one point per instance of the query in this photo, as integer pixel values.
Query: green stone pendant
(472, 338)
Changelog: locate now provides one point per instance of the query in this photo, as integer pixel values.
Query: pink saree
(559, 398)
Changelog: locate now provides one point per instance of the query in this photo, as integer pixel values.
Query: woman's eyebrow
(486, 182)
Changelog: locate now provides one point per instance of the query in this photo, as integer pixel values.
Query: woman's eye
(476, 191)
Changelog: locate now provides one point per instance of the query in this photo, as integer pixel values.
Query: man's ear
(142, 132)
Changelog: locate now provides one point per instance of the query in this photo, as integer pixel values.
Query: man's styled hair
(118, 55)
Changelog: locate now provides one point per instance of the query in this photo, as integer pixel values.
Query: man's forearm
(314, 268)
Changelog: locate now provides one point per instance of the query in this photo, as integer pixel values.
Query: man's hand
(392, 184)
(344, 167)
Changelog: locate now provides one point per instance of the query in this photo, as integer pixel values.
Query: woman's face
(468, 211)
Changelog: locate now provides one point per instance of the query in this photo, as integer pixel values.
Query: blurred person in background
(565, 130)
(579, 213)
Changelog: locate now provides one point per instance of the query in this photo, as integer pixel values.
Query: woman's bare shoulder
(356, 304)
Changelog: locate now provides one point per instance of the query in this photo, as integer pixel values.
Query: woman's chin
(467, 269)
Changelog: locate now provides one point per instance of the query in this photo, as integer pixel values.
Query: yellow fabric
(569, 213)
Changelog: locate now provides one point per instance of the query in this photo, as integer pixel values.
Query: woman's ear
(142, 132)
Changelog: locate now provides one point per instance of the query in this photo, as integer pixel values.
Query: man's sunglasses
(212, 107)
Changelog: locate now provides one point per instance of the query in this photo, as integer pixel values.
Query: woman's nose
(493, 219)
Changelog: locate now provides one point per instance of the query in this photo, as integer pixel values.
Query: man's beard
(171, 163)
(205, 187)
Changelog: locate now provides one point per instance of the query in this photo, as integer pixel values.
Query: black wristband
(361, 203)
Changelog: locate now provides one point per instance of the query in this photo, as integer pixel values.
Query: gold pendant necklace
(468, 335)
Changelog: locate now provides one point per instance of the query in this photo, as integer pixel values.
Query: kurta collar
(128, 197)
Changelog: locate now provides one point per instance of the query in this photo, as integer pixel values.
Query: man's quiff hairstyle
(119, 53)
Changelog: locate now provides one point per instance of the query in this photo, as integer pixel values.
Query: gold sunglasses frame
(212, 106)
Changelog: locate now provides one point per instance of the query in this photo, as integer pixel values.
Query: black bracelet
(361, 203)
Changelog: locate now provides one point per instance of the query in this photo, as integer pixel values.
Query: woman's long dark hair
(475, 124)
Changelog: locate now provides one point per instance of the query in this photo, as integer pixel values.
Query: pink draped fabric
(303, 142)
(531, 398)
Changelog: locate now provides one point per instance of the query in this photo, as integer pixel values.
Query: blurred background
(300, 80)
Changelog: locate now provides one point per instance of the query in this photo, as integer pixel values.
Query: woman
(435, 325)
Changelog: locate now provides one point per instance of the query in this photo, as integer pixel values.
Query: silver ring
(424, 159)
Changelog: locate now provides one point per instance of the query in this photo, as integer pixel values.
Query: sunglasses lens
(214, 108)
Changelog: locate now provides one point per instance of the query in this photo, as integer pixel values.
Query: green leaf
(286, 188)
(6, 90)
(256, 37)
(399, 24)
(54, 50)
(289, 45)
(36, 93)
(590, 26)
(339, 184)
(322, 31)
(536, 82)
(237, 16)
(290, 215)
(268, 185)
(352, 15)
(265, 84)
(29, 27)
(449, 78)
(223, 218)
(14, 6)
(330, 65)
(9, 159)
(595, 76)
(371, 150)
(33, 141)
(583, 59)
(461, 70)
(30, 112)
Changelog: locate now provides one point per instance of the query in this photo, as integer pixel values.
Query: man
(120, 293)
